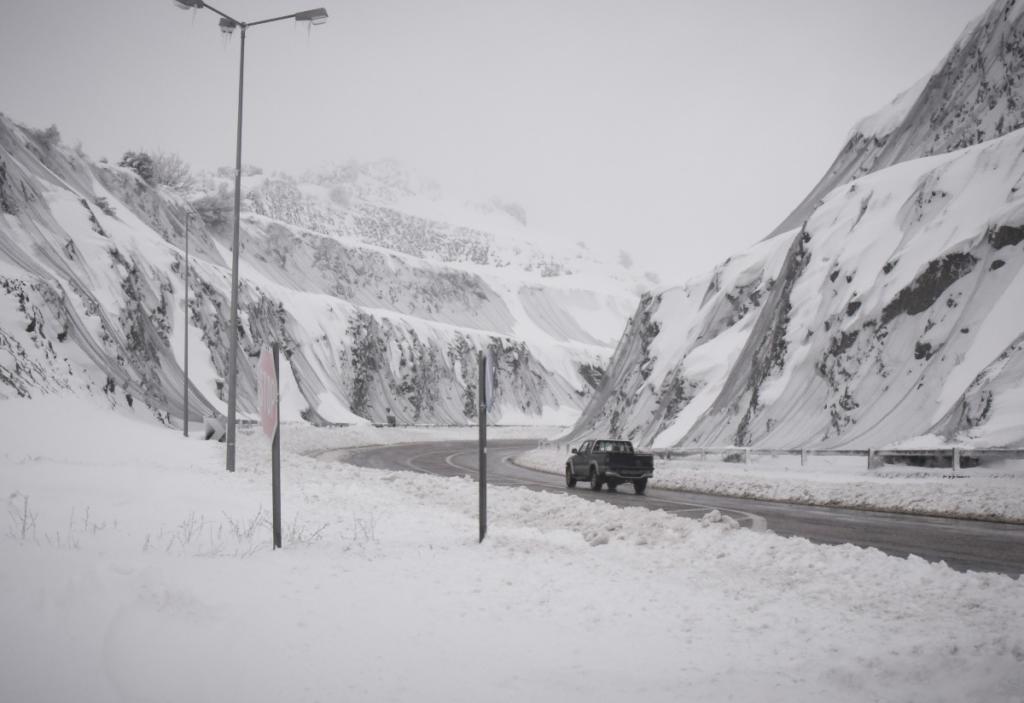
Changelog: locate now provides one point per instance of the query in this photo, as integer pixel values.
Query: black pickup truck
(608, 461)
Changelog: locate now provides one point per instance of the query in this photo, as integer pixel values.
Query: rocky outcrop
(378, 311)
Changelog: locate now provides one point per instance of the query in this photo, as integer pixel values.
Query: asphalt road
(965, 545)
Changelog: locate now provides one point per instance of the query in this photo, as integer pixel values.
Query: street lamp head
(190, 4)
(227, 26)
(317, 16)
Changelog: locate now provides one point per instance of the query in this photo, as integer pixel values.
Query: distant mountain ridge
(885, 307)
(380, 303)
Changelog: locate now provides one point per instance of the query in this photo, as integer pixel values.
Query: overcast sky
(681, 131)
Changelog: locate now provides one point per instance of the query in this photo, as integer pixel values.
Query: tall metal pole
(227, 25)
(482, 363)
(275, 450)
(233, 331)
(188, 215)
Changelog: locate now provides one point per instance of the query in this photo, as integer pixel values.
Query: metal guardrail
(875, 457)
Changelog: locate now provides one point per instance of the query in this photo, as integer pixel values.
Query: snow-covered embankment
(134, 567)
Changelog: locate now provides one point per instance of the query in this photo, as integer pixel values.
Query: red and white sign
(267, 376)
(489, 380)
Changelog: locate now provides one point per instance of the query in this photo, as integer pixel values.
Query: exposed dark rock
(841, 344)
(731, 308)
(365, 354)
(591, 374)
(649, 329)
(96, 226)
(1005, 236)
(676, 393)
(926, 289)
(923, 350)
(768, 353)
(7, 202)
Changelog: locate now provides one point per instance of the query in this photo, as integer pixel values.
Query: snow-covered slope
(890, 309)
(975, 94)
(379, 290)
(678, 347)
(903, 287)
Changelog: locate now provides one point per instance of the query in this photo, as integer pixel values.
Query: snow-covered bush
(215, 208)
(171, 170)
(140, 162)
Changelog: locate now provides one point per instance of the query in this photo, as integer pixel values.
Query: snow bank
(986, 493)
(134, 567)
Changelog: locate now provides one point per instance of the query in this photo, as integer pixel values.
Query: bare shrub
(303, 534)
(70, 538)
(215, 209)
(364, 529)
(245, 530)
(171, 170)
(23, 519)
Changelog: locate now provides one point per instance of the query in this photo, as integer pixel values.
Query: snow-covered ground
(133, 567)
(991, 492)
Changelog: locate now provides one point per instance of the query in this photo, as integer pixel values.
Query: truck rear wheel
(570, 480)
(640, 486)
(595, 480)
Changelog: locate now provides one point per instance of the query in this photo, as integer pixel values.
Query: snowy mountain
(379, 289)
(885, 307)
(975, 94)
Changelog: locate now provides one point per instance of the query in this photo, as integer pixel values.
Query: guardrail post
(746, 455)
(803, 457)
(871, 459)
(956, 459)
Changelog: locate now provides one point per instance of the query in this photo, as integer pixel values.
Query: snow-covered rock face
(975, 94)
(902, 288)
(380, 292)
(890, 309)
(678, 348)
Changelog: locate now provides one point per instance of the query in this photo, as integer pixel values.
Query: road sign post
(270, 419)
(482, 388)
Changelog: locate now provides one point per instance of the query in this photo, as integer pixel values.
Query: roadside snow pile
(715, 516)
(135, 568)
(993, 493)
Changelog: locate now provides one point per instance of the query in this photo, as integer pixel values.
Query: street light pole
(188, 216)
(233, 332)
(227, 26)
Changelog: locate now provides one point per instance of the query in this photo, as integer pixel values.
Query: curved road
(963, 544)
